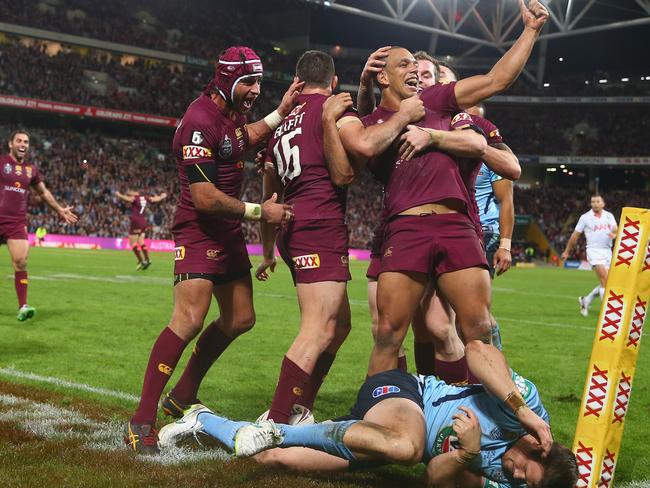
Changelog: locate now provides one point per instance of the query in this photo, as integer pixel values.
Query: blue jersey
(488, 206)
(500, 429)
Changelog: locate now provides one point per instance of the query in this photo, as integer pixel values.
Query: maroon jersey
(138, 207)
(429, 177)
(206, 135)
(440, 98)
(296, 149)
(15, 180)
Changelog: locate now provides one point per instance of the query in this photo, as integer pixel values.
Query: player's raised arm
(340, 169)
(125, 198)
(158, 198)
(65, 213)
(366, 96)
(470, 91)
(363, 143)
(503, 193)
(259, 131)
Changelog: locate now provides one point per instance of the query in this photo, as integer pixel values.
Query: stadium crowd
(147, 165)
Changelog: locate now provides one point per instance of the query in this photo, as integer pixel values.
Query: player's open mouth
(412, 83)
(248, 103)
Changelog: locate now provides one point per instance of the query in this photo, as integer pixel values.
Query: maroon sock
(402, 364)
(321, 369)
(291, 385)
(211, 344)
(425, 357)
(20, 282)
(164, 356)
(136, 251)
(145, 251)
(452, 371)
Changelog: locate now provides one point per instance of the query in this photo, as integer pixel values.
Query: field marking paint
(14, 373)
(636, 484)
(49, 421)
(548, 324)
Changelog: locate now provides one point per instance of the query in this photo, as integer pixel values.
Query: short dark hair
(315, 68)
(16, 132)
(560, 468)
(423, 55)
(597, 195)
(450, 68)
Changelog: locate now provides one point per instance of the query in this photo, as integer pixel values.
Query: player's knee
(405, 450)
(479, 329)
(242, 323)
(388, 335)
(20, 264)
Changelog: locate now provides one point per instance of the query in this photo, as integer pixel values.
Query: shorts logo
(212, 253)
(345, 260)
(164, 369)
(179, 253)
(7, 168)
(385, 390)
(309, 261)
(196, 152)
(389, 252)
(225, 151)
(297, 391)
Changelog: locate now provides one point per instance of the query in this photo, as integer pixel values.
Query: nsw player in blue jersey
(491, 435)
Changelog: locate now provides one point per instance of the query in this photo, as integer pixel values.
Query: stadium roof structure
(495, 24)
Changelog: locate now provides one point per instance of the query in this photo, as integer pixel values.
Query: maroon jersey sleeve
(36, 177)
(491, 131)
(199, 141)
(440, 97)
(460, 121)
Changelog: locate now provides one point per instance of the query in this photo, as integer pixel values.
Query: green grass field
(98, 318)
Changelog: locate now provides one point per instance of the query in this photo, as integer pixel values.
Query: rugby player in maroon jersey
(17, 176)
(139, 224)
(315, 244)
(430, 233)
(210, 256)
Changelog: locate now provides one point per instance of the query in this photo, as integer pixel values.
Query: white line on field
(14, 373)
(548, 324)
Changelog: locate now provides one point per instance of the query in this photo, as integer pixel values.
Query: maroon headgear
(235, 63)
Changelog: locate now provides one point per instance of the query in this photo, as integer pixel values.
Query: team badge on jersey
(212, 253)
(19, 170)
(28, 170)
(446, 441)
(7, 168)
(385, 390)
(225, 151)
(494, 133)
(308, 261)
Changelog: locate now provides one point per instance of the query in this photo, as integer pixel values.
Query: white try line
(14, 373)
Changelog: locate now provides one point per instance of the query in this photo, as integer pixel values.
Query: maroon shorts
(138, 226)
(432, 244)
(315, 250)
(374, 267)
(13, 230)
(221, 253)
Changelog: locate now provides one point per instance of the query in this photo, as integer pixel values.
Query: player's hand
(276, 213)
(263, 166)
(468, 429)
(413, 142)
(565, 255)
(534, 16)
(412, 108)
(260, 272)
(290, 96)
(502, 261)
(67, 215)
(374, 65)
(536, 427)
(336, 105)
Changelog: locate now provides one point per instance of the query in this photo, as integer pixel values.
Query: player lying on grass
(470, 436)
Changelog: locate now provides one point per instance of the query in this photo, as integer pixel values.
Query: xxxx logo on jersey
(196, 152)
(308, 261)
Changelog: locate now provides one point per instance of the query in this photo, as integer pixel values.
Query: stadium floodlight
(602, 81)
(565, 170)
(551, 170)
(586, 82)
(560, 59)
(625, 79)
(562, 166)
(546, 85)
(570, 173)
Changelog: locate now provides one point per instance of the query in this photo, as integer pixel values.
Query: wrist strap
(515, 401)
(273, 120)
(252, 211)
(505, 243)
(436, 137)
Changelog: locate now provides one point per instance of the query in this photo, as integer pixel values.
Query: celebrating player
(469, 436)
(599, 227)
(211, 257)
(430, 232)
(139, 223)
(315, 244)
(16, 177)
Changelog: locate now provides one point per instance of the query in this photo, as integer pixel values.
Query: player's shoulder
(202, 111)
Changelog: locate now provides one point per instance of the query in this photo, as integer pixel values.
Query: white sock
(601, 292)
(593, 294)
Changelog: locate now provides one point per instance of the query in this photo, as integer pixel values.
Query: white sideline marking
(548, 324)
(52, 422)
(68, 384)
(636, 484)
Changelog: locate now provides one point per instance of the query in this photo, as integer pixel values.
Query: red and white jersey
(597, 229)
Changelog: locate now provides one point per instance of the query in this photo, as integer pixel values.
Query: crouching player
(494, 434)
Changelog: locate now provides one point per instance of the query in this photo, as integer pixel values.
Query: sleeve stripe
(204, 175)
